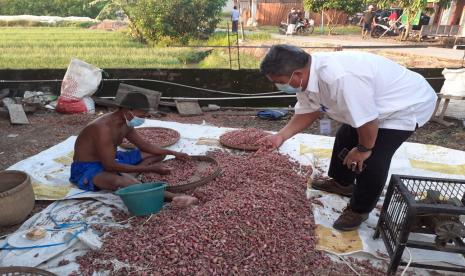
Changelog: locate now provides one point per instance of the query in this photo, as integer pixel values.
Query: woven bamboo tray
(194, 184)
(24, 270)
(127, 145)
(239, 147)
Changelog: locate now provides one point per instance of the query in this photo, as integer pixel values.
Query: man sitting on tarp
(99, 165)
(379, 103)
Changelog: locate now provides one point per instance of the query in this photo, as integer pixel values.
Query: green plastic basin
(143, 199)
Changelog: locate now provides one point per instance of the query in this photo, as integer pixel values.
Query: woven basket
(16, 197)
(192, 185)
(244, 147)
(241, 147)
(128, 145)
(23, 270)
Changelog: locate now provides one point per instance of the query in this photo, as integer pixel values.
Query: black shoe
(331, 186)
(349, 220)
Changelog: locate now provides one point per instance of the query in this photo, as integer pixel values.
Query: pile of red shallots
(159, 136)
(253, 219)
(243, 138)
(182, 172)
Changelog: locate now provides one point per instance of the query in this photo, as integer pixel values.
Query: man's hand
(160, 169)
(354, 159)
(181, 156)
(270, 142)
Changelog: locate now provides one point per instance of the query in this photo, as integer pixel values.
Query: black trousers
(235, 25)
(370, 182)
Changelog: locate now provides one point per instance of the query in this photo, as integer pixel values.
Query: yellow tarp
(338, 242)
(438, 167)
(318, 152)
(50, 192)
(66, 160)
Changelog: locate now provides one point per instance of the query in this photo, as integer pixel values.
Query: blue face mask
(135, 121)
(287, 88)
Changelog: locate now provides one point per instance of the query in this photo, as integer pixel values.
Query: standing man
(367, 21)
(98, 165)
(235, 19)
(292, 19)
(379, 103)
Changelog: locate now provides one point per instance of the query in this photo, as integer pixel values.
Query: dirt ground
(410, 60)
(48, 129)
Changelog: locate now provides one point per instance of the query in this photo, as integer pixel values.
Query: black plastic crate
(422, 205)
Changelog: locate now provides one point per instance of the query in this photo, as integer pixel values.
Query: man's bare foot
(182, 201)
(161, 169)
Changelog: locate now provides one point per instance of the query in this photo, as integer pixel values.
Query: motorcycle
(303, 27)
(383, 28)
(355, 19)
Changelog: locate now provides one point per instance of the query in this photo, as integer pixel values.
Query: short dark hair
(235, 7)
(283, 59)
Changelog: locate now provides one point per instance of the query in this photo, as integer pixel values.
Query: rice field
(53, 47)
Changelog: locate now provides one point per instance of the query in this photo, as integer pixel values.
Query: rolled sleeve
(355, 99)
(304, 103)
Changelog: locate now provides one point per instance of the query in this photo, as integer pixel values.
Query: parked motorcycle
(383, 28)
(355, 19)
(303, 27)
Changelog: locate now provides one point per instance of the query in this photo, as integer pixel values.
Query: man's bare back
(85, 147)
(99, 165)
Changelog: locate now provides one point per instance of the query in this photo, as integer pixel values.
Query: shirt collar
(312, 85)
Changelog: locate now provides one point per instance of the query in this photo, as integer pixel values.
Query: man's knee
(112, 181)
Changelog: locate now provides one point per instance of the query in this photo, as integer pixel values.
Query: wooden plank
(104, 102)
(17, 114)
(188, 108)
(165, 103)
(152, 95)
(451, 97)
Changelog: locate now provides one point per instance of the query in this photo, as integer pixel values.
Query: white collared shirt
(358, 87)
(235, 15)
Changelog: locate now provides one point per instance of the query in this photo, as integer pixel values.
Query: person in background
(367, 21)
(235, 19)
(393, 21)
(300, 15)
(378, 112)
(292, 19)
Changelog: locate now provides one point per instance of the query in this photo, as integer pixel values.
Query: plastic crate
(404, 207)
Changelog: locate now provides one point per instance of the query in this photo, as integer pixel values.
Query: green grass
(221, 38)
(220, 59)
(53, 47)
(42, 47)
(339, 30)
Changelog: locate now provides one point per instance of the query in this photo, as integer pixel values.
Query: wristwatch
(362, 148)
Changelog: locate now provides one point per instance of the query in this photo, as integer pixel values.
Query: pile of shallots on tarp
(253, 219)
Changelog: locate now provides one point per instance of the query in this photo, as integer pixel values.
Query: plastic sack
(69, 106)
(454, 84)
(272, 114)
(80, 82)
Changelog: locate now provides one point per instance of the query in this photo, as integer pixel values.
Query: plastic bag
(454, 85)
(69, 106)
(80, 82)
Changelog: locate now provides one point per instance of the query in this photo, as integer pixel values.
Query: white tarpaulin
(49, 171)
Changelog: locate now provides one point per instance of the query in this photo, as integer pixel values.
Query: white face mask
(287, 88)
(135, 121)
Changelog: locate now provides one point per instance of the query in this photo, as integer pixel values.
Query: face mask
(287, 88)
(135, 121)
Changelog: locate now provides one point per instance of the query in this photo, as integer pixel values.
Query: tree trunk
(406, 32)
(330, 22)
